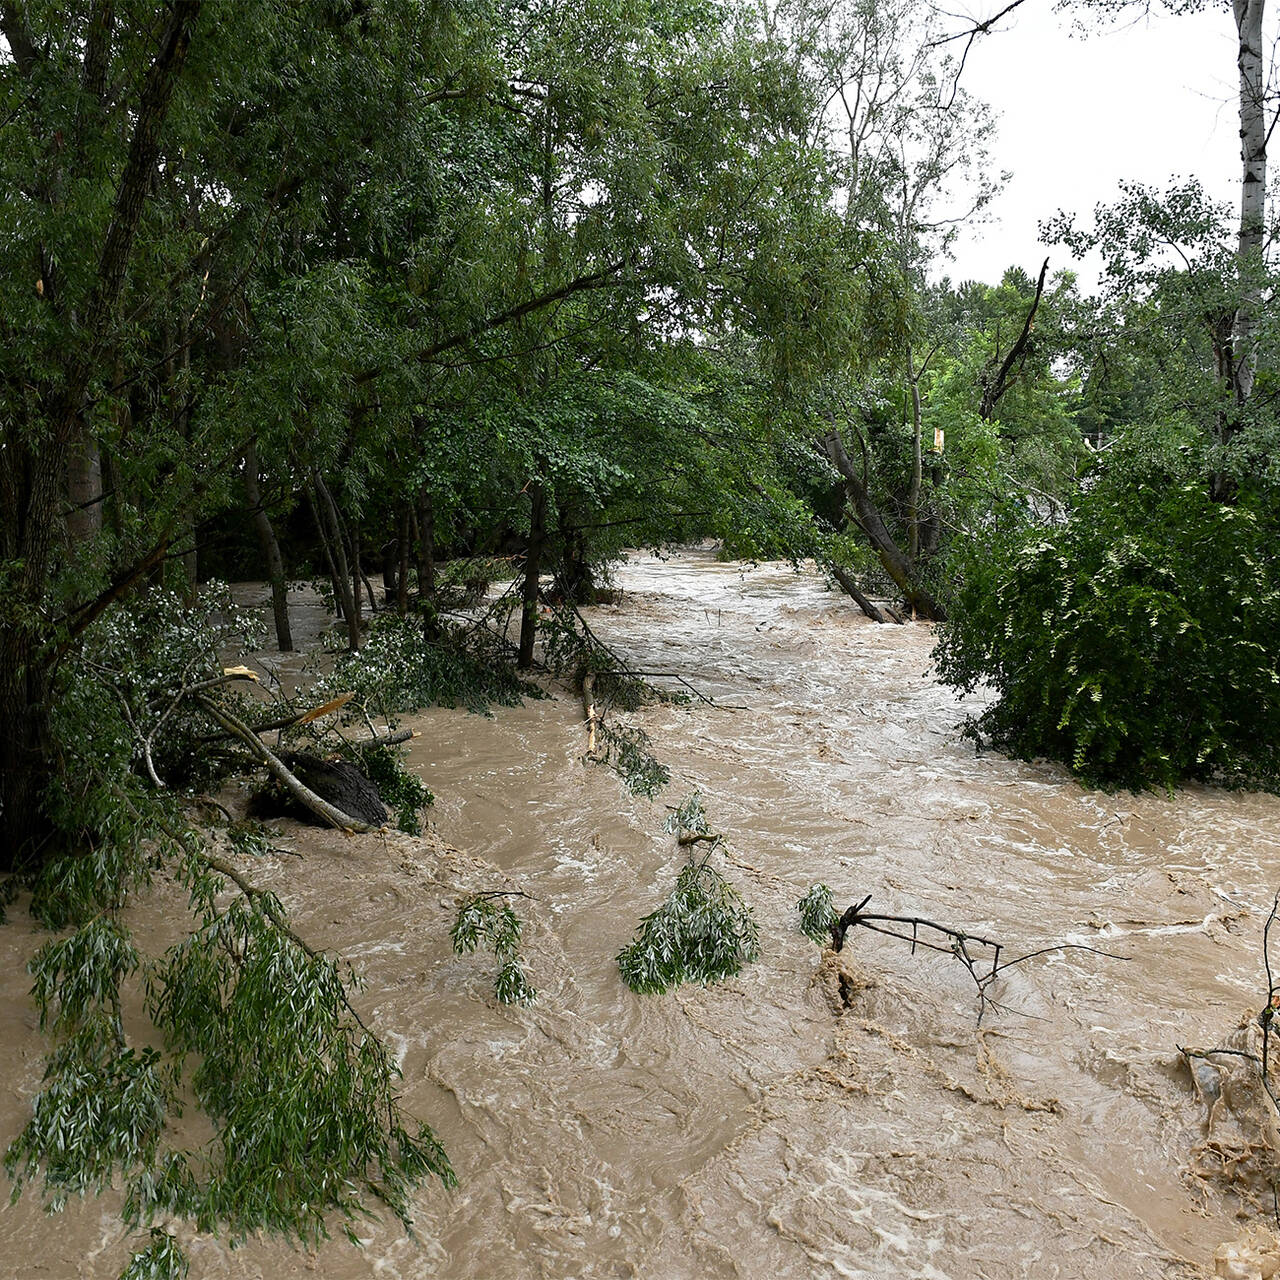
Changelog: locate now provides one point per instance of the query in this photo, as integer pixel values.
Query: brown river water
(818, 1116)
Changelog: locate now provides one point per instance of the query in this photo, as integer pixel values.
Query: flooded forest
(573, 706)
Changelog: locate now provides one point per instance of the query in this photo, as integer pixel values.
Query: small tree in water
(483, 919)
(703, 932)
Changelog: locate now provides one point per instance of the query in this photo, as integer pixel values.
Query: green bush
(1137, 642)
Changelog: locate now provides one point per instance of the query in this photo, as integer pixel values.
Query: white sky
(1146, 101)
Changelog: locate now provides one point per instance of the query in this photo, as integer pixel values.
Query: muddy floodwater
(816, 1116)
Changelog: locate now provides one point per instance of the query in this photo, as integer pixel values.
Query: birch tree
(1256, 109)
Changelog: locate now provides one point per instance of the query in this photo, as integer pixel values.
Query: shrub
(1136, 643)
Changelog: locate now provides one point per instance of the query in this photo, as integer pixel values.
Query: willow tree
(149, 153)
(910, 148)
(1255, 97)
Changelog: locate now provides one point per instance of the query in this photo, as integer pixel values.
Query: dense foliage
(703, 932)
(240, 1016)
(452, 293)
(1135, 641)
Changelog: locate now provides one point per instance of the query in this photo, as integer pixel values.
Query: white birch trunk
(1253, 194)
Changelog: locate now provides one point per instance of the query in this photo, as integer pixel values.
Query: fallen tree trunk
(304, 795)
(869, 607)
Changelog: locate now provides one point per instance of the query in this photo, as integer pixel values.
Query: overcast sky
(1146, 101)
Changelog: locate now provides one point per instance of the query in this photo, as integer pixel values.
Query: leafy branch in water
(628, 751)
(485, 918)
(571, 647)
(689, 819)
(241, 1015)
(383, 765)
(817, 914)
(704, 931)
(259, 1027)
(162, 1259)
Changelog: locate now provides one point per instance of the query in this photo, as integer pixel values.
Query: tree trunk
(84, 485)
(322, 532)
(390, 570)
(532, 573)
(1253, 195)
(850, 587)
(328, 510)
(402, 569)
(270, 550)
(898, 567)
(426, 541)
(917, 467)
(357, 574)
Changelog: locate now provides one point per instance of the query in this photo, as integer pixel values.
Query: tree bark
(850, 587)
(328, 510)
(898, 567)
(532, 573)
(917, 463)
(1253, 194)
(270, 550)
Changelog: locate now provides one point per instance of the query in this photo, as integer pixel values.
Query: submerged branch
(957, 944)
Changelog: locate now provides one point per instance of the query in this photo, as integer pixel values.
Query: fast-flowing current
(819, 1115)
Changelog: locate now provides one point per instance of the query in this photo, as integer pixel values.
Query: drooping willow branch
(984, 967)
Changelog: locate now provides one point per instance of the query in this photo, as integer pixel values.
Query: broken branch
(302, 793)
